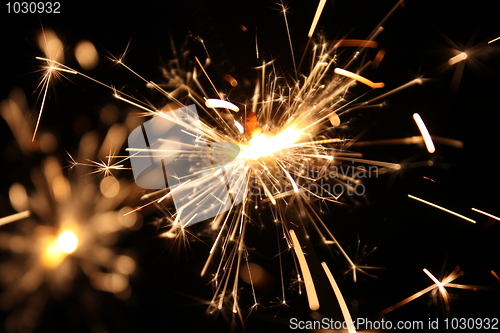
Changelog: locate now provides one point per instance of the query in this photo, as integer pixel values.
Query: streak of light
(356, 43)
(441, 285)
(319, 142)
(319, 10)
(289, 37)
(409, 141)
(308, 281)
(487, 214)
(456, 59)
(359, 78)
(495, 275)
(494, 40)
(425, 133)
(218, 103)
(340, 299)
(442, 208)
(232, 81)
(395, 90)
(240, 127)
(14, 217)
(394, 166)
(378, 58)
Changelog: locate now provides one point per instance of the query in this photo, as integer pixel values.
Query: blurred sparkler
(67, 226)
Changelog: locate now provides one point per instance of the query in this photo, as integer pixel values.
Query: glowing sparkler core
(67, 242)
(57, 248)
(261, 145)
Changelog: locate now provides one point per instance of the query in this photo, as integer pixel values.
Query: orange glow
(356, 43)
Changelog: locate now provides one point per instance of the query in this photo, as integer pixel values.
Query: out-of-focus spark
(359, 78)
(14, 217)
(51, 45)
(456, 59)
(495, 275)
(86, 54)
(356, 43)
(487, 214)
(319, 10)
(312, 297)
(494, 40)
(340, 299)
(232, 81)
(442, 208)
(425, 133)
(334, 119)
(378, 58)
(218, 103)
(408, 141)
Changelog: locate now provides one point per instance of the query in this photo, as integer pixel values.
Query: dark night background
(409, 235)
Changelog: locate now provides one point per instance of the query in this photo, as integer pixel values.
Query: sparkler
(289, 144)
(67, 226)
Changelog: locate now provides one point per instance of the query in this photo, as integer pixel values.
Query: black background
(409, 235)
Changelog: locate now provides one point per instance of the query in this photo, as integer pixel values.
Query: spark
(358, 78)
(52, 47)
(487, 214)
(284, 10)
(218, 103)
(441, 208)
(378, 58)
(458, 58)
(14, 217)
(425, 133)
(340, 299)
(308, 281)
(319, 10)
(438, 285)
(356, 43)
(494, 40)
